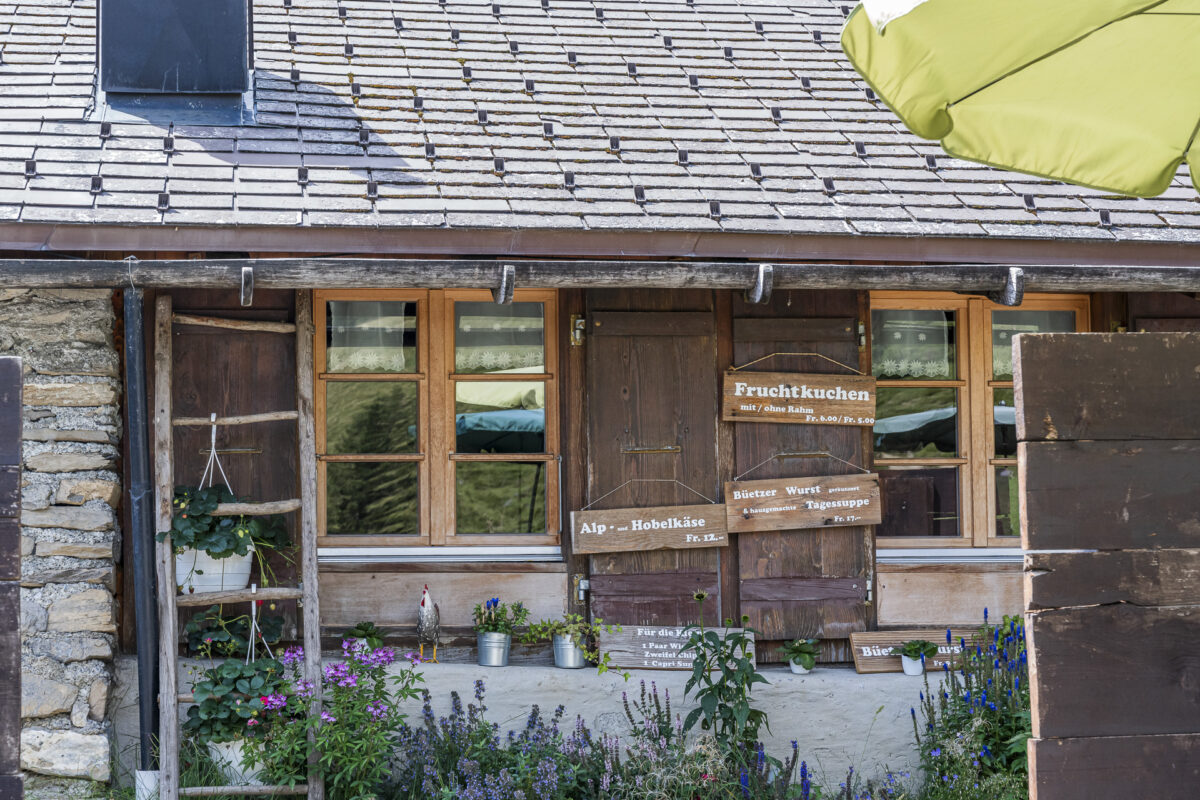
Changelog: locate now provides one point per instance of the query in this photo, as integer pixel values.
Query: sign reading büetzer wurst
(617, 530)
(786, 503)
(792, 397)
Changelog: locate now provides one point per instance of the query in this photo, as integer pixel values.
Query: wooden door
(802, 583)
(652, 411)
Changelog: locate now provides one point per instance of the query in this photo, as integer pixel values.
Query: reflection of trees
(365, 497)
(501, 497)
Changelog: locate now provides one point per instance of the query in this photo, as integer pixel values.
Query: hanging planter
(197, 571)
(228, 757)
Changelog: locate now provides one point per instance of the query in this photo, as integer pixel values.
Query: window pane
(1007, 324)
(917, 345)
(365, 498)
(495, 338)
(370, 336)
(370, 417)
(500, 497)
(1008, 501)
(919, 501)
(1004, 422)
(500, 416)
(916, 423)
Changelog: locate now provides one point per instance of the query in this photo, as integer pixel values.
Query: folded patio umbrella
(1101, 93)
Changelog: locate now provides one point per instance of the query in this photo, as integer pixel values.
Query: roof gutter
(1006, 281)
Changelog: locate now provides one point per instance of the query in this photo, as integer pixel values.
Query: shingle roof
(673, 115)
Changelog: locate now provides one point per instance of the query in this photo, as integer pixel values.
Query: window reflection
(916, 422)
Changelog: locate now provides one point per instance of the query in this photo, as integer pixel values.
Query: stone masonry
(69, 534)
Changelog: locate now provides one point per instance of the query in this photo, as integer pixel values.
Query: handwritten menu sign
(617, 530)
(793, 397)
(873, 649)
(787, 503)
(653, 646)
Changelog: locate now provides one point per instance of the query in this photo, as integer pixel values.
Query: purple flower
(304, 689)
(274, 702)
(293, 655)
(327, 717)
(377, 710)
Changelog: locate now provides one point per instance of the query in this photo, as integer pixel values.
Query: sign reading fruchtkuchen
(618, 530)
(786, 503)
(805, 399)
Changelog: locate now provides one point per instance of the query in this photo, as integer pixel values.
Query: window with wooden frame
(435, 418)
(945, 431)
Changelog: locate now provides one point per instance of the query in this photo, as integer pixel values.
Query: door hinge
(578, 324)
(862, 335)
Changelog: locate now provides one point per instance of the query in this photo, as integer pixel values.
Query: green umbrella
(1101, 93)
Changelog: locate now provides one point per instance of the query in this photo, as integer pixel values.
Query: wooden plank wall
(1109, 430)
(10, 577)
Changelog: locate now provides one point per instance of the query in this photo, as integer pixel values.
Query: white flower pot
(797, 669)
(197, 571)
(912, 666)
(227, 756)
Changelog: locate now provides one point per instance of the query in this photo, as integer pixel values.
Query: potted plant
(209, 632)
(228, 714)
(913, 654)
(494, 626)
(801, 655)
(215, 553)
(574, 640)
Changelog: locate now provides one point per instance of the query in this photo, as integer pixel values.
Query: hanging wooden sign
(620, 530)
(786, 503)
(654, 646)
(873, 649)
(799, 398)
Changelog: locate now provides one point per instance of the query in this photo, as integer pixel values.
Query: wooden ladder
(169, 600)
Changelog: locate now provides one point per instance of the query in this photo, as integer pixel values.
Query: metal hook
(764, 282)
(503, 294)
(1014, 289)
(247, 285)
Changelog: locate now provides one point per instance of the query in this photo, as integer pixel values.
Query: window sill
(949, 555)
(439, 555)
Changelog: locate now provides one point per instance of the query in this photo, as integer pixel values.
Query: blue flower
(937, 751)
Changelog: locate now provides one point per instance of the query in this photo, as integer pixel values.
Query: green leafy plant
(802, 651)
(723, 676)
(209, 633)
(582, 633)
(496, 617)
(229, 702)
(194, 526)
(915, 648)
(367, 632)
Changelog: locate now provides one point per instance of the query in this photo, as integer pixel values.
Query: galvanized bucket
(566, 654)
(493, 649)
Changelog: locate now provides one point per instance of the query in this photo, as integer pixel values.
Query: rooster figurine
(428, 625)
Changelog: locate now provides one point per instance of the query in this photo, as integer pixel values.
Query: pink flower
(251, 722)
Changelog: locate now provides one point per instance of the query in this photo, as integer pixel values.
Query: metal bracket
(247, 285)
(503, 294)
(578, 327)
(1014, 289)
(638, 451)
(764, 282)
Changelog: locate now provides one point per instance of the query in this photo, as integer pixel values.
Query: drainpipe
(141, 523)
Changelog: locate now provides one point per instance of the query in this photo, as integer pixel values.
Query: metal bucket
(566, 654)
(493, 649)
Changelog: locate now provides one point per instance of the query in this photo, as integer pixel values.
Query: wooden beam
(307, 478)
(1110, 495)
(256, 509)
(1114, 670)
(239, 596)
(1161, 767)
(243, 325)
(243, 419)
(1113, 386)
(1138, 577)
(245, 791)
(454, 273)
(168, 617)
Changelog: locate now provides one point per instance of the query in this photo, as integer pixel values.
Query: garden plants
(801, 654)
(495, 623)
(573, 633)
(209, 632)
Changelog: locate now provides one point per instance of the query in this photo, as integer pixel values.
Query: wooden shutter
(810, 583)
(652, 386)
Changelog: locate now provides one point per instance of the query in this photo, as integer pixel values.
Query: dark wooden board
(666, 598)
(1117, 767)
(809, 330)
(620, 530)
(10, 677)
(798, 398)
(1139, 577)
(1143, 662)
(872, 649)
(635, 323)
(1119, 386)
(10, 410)
(1110, 495)
(797, 503)
(653, 646)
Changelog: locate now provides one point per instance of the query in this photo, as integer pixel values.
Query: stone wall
(70, 533)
